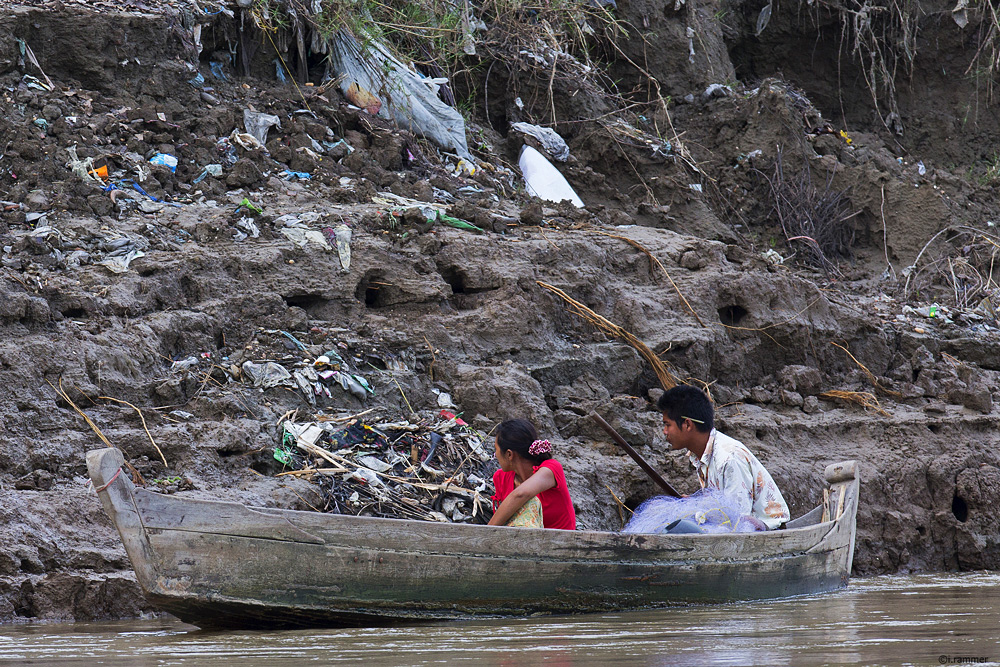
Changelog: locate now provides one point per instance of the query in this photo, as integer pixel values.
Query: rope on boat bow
(105, 486)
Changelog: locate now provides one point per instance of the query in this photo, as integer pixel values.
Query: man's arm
(771, 505)
(737, 483)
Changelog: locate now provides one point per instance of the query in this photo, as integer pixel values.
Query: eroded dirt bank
(156, 304)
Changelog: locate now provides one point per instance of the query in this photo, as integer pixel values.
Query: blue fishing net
(709, 509)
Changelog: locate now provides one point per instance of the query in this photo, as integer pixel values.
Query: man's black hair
(687, 402)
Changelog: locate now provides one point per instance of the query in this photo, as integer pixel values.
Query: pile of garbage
(206, 162)
(312, 377)
(276, 358)
(434, 467)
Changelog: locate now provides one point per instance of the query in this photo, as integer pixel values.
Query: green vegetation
(443, 34)
(992, 175)
(492, 52)
(984, 172)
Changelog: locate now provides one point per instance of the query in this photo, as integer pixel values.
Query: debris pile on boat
(433, 467)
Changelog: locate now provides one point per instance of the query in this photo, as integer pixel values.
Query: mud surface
(108, 294)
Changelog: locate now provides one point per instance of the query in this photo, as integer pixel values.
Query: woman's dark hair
(687, 402)
(518, 434)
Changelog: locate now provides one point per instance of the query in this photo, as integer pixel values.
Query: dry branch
(63, 395)
(811, 216)
(654, 260)
(865, 399)
(868, 374)
(144, 427)
(667, 380)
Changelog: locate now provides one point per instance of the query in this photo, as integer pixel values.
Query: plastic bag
(120, 263)
(267, 374)
(302, 237)
(342, 237)
(168, 161)
(543, 180)
(257, 124)
(405, 97)
(209, 170)
(82, 168)
(554, 144)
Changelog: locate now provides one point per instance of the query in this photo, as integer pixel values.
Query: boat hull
(221, 565)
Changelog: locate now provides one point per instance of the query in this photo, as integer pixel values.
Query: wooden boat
(225, 565)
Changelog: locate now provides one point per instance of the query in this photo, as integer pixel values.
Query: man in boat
(720, 461)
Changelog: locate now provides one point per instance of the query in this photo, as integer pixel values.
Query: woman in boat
(527, 470)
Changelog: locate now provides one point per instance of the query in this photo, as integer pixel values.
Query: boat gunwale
(318, 520)
(327, 528)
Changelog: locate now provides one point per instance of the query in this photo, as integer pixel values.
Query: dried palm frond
(868, 374)
(667, 380)
(653, 260)
(136, 477)
(865, 399)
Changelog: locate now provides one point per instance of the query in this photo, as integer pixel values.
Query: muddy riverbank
(776, 238)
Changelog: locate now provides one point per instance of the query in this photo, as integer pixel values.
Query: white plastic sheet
(543, 180)
(267, 374)
(406, 97)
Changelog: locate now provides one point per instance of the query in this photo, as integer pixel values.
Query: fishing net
(710, 509)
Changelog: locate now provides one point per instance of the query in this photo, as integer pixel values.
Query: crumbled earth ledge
(104, 293)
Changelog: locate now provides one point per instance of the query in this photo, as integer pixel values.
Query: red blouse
(557, 506)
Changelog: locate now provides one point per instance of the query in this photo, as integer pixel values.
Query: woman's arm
(542, 480)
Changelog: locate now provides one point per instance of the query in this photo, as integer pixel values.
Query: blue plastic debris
(209, 170)
(126, 183)
(168, 161)
(329, 145)
(32, 82)
(217, 72)
(290, 175)
(227, 154)
(197, 81)
(138, 188)
(279, 71)
(292, 338)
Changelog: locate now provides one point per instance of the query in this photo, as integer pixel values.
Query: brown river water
(938, 619)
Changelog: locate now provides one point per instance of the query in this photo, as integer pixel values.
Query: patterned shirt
(729, 466)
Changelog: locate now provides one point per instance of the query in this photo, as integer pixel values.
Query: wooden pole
(648, 469)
